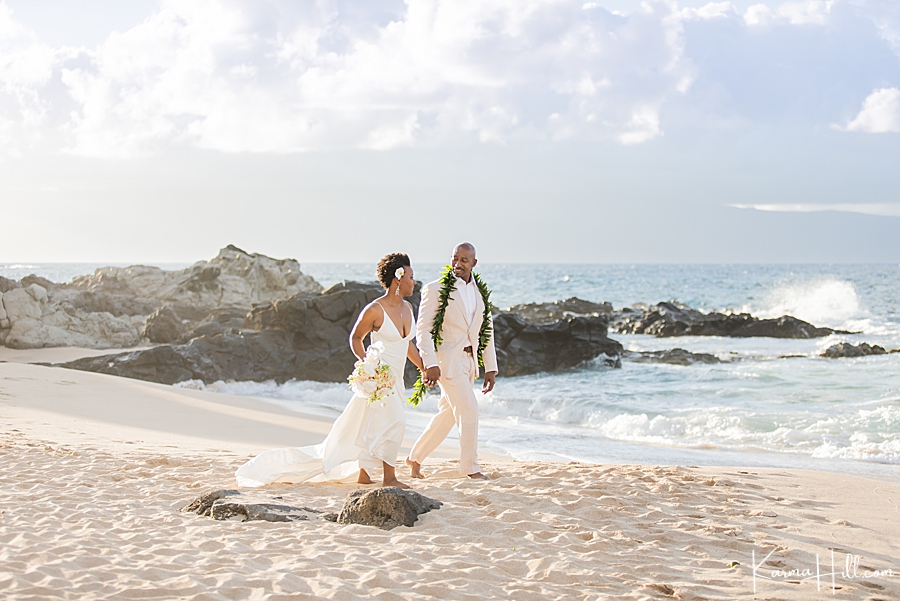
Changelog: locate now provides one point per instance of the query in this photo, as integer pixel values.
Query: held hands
(431, 376)
(488, 385)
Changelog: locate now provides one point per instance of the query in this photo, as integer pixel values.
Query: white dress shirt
(468, 295)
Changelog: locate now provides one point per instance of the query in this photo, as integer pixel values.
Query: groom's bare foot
(395, 482)
(478, 476)
(363, 477)
(415, 469)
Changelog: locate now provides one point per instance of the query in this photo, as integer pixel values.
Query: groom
(453, 364)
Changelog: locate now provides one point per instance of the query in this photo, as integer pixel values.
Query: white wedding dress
(364, 435)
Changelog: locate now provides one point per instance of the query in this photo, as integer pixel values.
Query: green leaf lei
(448, 284)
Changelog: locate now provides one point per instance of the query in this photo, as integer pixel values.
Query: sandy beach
(95, 469)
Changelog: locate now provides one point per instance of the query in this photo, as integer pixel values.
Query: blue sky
(543, 131)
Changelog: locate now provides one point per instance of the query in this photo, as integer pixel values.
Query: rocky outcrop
(524, 348)
(674, 319)
(232, 505)
(547, 313)
(33, 320)
(675, 356)
(385, 508)
(110, 308)
(303, 337)
(234, 278)
(845, 349)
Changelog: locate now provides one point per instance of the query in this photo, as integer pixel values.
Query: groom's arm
(489, 357)
(427, 310)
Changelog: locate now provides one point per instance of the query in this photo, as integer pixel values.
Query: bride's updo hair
(388, 265)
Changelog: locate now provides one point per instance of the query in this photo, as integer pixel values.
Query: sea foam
(825, 302)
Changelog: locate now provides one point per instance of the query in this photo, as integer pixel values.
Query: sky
(543, 131)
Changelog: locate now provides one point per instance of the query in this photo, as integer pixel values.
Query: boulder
(20, 303)
(385, 508)
(7, 284)
(38, 293)
(845, 349)
(547, 313)
(162, 364)
(44, 283)
(232, 505)
(523, 348)
(30, 333)
(57, 327)
(674, 319)
(675, 356)
(164, 326)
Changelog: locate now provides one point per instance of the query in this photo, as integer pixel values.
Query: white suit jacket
(456, 334)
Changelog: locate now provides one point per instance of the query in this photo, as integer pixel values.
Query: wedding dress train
(364, 435)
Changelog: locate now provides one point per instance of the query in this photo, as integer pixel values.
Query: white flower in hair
(399, 273)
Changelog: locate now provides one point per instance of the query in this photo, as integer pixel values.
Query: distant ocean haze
(756, 408)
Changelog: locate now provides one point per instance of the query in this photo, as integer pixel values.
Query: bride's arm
(365, 324)
(413, 355)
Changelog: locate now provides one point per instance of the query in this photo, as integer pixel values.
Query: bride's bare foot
(415, 469)
(395, 482)
(363, 477)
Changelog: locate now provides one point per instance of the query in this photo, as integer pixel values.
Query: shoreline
(620, 452)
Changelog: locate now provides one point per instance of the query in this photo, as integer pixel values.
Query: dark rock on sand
(675, 356)
(674, 319)
(231, 504)
(202, 504)
(162, 364)
(845, 349)
(385, 508)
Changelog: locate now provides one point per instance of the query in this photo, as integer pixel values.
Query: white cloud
(878, 209)
(880, 113)
(25, 67)
(226, 77)
(281, 76)
(712, 10)
(805, 12)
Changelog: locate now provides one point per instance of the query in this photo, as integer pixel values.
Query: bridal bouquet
(372, 377)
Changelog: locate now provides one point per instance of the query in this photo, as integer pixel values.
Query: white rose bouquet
(372, 377)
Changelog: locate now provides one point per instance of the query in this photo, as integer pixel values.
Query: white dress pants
(457, 406)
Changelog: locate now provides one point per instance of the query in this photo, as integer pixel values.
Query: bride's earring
(397, 291)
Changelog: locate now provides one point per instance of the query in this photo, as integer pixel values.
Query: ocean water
(757, 409)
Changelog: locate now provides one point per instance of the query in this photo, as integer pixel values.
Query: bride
(367, 435)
